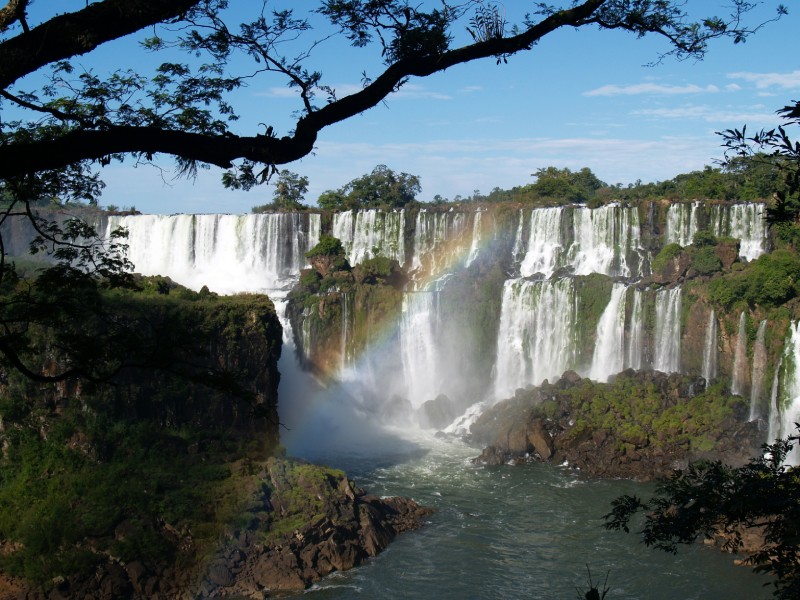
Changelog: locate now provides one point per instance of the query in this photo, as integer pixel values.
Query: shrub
(668, 252)
(706, 261)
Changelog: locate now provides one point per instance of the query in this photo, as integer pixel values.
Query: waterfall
(746, 222)
(740, 359)
(476, 239)
(536, 335)
(418, 345)
(344, 350)
(759, 367)
(635, 347)
(518, 252)
(228, 253)
(603, 238)
(709, 369)
(370, 233)
(591, 240)
(785, 408)
(681, 223)
(545, 242)
(667, 350)
(439, 242)
(609, 349)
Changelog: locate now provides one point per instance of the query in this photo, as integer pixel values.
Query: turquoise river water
(526, 531)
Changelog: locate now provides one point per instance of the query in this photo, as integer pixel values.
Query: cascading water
(739, 373)
(609, 349)
(439, 243)
(709, 369)
(667, 352)
(476, 239)
(229, 253)
(635, 345)
(681, 223)
(545, 244)
(785, 405)
(600, 240)
(418, 345)
(344, 346)
(370, 233)
(603, 239)
(758, 371)
(746, 222)
(536, 336)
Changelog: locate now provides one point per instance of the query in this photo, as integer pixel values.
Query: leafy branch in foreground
(186, 109)
(711, 497)
(776, 149)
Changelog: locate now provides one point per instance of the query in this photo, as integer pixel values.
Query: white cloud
(755, 115)
(763, 81)
(650, 88)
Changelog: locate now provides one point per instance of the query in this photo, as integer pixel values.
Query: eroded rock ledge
(640, 425)
(301, 522)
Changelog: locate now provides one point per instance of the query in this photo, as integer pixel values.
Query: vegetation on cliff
(136, 466)
(637, 425)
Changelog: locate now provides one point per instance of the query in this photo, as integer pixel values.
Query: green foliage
(89, 475)
(289, 193)
(706, 261)
(640, 415)
(327, 246)
(579, 186)
(769, 281)
(665, 255)
(710, 497)
(382, 188)
(772, 152)
(704, 237)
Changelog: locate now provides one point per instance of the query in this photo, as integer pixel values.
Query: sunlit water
(512, 532)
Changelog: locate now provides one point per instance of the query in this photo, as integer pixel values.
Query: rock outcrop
(305, 522)
(641, 425)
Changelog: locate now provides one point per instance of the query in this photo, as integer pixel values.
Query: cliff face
(640, 425)
(140, 468)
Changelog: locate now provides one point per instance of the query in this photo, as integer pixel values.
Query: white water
(681, 223)
(536, 336)
(635, 348)
(609, 349)
(228, 253)
(667, 350)
(545, 242)
(370, 233)
(739, 373)
(590, 240)
(535, 527)
(710, 353)
(746, 222)
(785, 405)
(759, 367)
(419, 346)
(441, 241)
(475, 247)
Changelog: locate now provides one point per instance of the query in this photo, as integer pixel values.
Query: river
(526, 531)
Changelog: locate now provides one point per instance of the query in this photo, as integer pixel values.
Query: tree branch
(28, 157)
(12, 12)
(79, 32)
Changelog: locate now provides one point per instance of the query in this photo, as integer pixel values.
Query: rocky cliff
(639, 425)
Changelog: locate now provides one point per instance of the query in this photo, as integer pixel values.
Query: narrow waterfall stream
(710, 352)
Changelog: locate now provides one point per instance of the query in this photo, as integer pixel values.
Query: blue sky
(578, 99)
